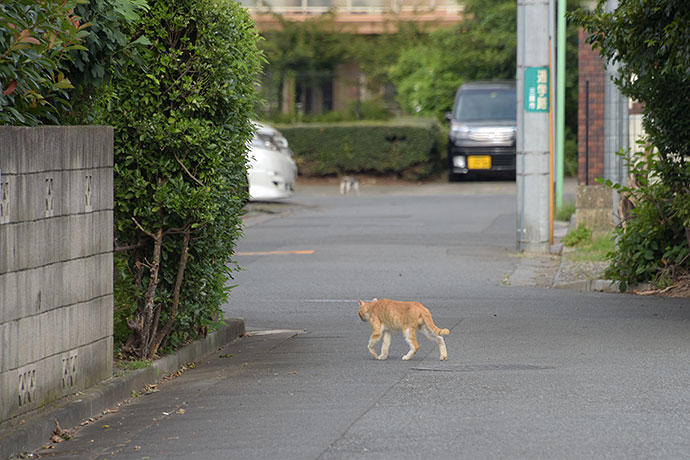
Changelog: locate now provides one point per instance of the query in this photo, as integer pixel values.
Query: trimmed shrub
(407, 148)
(182, 123)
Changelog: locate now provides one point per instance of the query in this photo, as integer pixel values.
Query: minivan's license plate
(479, 162)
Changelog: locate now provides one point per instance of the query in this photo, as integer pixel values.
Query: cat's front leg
(386, 345)
(375, 337)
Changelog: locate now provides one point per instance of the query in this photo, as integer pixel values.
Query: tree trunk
(141, 324)
(182, 264)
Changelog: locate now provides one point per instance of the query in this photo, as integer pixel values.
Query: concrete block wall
(594, 208)
(56, 263)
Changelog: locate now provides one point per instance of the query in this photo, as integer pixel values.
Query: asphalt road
(532, 373)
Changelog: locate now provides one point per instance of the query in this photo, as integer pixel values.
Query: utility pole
(533, 111)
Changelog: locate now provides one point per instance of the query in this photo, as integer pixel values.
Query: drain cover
(483, 368)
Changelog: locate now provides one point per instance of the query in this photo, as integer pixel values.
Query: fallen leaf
(293, 372)
(105, 427)
(59, 433)
(180, 411)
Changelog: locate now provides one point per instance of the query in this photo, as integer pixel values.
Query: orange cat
(387, 315)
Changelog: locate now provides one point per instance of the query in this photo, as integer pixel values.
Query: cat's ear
(360, 301)
(375, 299)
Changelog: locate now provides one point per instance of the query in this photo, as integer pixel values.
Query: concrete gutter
(583, 284)
(599, 285)
(561, 228)
(587, 285)
(30, 431)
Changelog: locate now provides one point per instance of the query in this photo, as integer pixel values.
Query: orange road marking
(273, 253)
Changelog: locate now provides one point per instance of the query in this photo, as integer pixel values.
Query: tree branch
(142, 229)
(182, 264)
(187, 171)
(117, 248)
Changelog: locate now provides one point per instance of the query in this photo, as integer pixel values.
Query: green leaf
(64, 83)
(142, 40)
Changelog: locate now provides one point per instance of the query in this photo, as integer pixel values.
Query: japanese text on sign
(537, 89)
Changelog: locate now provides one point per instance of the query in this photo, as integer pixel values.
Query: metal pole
(560, 103)
(552, 115)
(520, 138)
(587, 132)
(551, 141)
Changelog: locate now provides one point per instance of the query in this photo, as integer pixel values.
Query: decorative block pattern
(26, 390)
(69, 371)
(88, 193)
(50, 197)
(4, 201)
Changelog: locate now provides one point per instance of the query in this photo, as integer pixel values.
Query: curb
(31, 431)
(582, 285)
(597, 285)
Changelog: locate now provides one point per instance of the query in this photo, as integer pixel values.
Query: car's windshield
(485, 104)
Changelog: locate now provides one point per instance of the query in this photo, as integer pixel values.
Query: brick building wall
(591, 77)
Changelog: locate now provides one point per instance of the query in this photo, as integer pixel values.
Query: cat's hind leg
(436, 339)
(386, 344)
(411, 338)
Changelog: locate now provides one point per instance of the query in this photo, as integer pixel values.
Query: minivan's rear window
(486, 104)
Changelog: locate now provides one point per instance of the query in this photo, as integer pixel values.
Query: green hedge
(409, 148)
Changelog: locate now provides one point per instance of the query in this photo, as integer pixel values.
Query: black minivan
(482, 130)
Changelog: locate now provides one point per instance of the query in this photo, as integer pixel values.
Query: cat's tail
(432, 327)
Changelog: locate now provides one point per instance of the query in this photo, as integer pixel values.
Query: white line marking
(275, 331)
(332, 300)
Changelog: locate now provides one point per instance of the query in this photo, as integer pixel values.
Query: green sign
(537, 89)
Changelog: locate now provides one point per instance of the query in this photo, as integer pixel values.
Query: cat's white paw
(406, 358)
(382, 357)
(443, 358)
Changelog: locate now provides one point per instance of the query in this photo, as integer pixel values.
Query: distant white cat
(349, 184)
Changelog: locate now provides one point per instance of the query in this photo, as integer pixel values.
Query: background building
(335, 89)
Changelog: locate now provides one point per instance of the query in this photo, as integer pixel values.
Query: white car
(272, 169)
